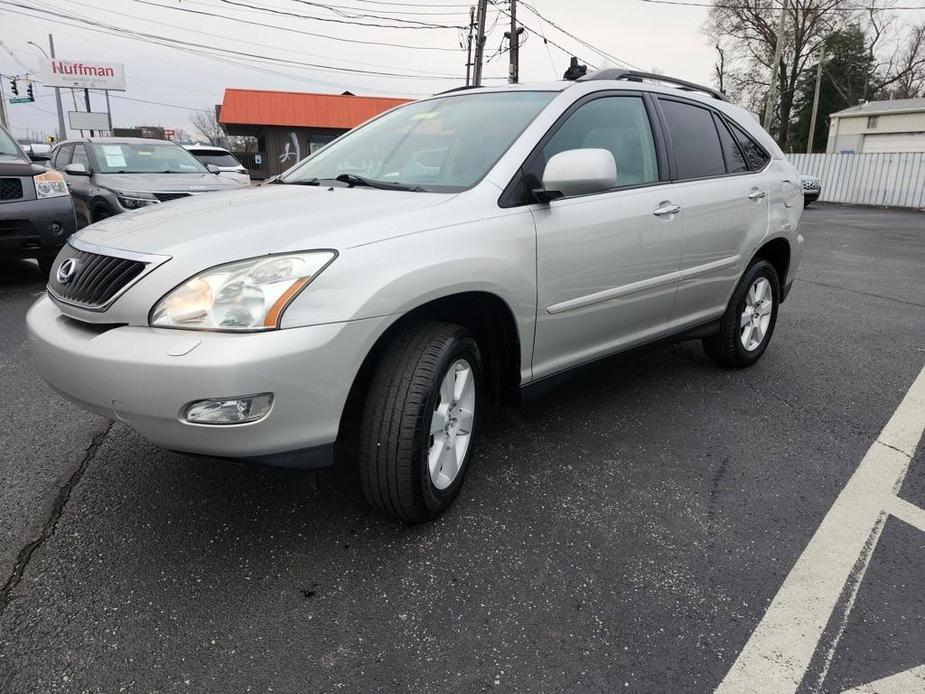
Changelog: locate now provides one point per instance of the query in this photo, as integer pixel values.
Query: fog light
(55, 228)
(241, 410)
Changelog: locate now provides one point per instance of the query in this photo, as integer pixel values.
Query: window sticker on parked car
(114, 155)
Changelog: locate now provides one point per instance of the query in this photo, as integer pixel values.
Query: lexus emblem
(66, 270)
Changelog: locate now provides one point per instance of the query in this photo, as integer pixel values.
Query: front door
(607, 263)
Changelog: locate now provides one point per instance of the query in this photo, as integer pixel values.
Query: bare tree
(719, 68)
(205, 121)
(746, 31)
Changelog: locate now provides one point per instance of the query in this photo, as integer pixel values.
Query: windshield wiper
(354, 180)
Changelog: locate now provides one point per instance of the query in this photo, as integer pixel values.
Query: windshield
(154, 157)
(443, 145)
(8, 148)
(215, 156)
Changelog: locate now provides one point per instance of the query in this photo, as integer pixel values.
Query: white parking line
(906, 682)
(779, 651)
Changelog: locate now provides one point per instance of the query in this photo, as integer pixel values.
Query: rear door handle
(757, 194)
(666, 209)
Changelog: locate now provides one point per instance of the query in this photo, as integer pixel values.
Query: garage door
(895, 142)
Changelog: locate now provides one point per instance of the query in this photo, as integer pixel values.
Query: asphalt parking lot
(656, 525)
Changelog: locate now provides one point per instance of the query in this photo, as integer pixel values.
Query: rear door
(725, 208)
(607, 263)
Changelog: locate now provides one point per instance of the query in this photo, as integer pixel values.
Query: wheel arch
(486, 315)
(777, 252)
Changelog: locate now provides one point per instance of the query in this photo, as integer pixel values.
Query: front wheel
(419, 421)
(748, 323)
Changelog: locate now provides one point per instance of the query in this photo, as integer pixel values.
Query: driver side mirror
(213, 168)
(39, 156)
(76, 170)
(577, 172)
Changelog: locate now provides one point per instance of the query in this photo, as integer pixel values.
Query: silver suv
(456, 251)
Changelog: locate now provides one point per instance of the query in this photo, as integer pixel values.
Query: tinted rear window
(694, 140)
(735, 160)
(216, 157)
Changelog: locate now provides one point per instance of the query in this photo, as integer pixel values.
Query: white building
(878, 126)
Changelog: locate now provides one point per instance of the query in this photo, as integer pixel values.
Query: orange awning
(301, 109)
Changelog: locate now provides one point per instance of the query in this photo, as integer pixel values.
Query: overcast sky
(649, 36)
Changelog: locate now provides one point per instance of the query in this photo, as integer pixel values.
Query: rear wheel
(748, 323)
(419, 421)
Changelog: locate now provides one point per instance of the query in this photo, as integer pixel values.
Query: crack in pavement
(859, 291)
(51, 523)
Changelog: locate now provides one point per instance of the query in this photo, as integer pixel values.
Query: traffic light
(29, 92)
(14, 86)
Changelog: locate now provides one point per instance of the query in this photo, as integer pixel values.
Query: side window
(619, 124)
(754, 153)
(80, 157)
(63, 157)
(694, 140)
(735, 160)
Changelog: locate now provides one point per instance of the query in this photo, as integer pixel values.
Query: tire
(45, 264)
(727, 347)
(807, 202)
(404, 401)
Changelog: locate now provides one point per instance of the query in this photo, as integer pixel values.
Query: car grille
(10, 189)
(810, 185)
(96, 280)
(164, 197)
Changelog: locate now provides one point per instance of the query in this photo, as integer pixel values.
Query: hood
(248, 222)
(161, 183)
(18, 166)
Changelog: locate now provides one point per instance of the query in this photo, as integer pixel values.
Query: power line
(856, 8)
(286, 13)
(297, 31)
(262, 45)
(584, 43)
(548, 40)
(162, 40)
(225, 59)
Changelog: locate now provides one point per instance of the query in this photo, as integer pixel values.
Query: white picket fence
(888, 180)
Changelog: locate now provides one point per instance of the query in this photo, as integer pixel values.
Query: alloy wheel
(451, 424)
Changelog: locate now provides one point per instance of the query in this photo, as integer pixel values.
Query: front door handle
(757, 194)
(666, 209)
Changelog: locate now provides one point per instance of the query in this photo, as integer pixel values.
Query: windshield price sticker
(114, 155)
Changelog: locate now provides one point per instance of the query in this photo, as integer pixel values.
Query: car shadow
(21, 274)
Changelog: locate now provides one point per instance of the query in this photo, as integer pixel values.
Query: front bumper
(146, 376)
(35, 228)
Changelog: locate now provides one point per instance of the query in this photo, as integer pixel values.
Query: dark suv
(36, 211)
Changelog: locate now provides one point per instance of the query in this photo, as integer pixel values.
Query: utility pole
(87, 99)
(778, 50)
(480, 43)
(62, 131)
(513, 37)
(469, 45)
(812, 120)
(4, 121)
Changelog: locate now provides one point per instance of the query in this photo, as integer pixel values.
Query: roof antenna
(575, 70)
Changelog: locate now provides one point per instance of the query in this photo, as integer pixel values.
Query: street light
(33, 43)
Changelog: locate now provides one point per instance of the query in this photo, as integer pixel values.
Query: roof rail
(458, 89)
(637, 76)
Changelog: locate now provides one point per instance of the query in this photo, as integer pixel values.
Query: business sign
(20, 100)
(81, 120)
(75, 73)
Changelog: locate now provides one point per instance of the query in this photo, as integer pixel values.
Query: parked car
(223, 160)
(36, 212)
(109, 175)
(812, 189)
(466, 248)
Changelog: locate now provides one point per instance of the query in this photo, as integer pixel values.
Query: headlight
(50, 184)
(246, 295)
(133, 200)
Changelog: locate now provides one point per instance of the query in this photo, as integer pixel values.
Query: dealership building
(878, 126)
(291, 125)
